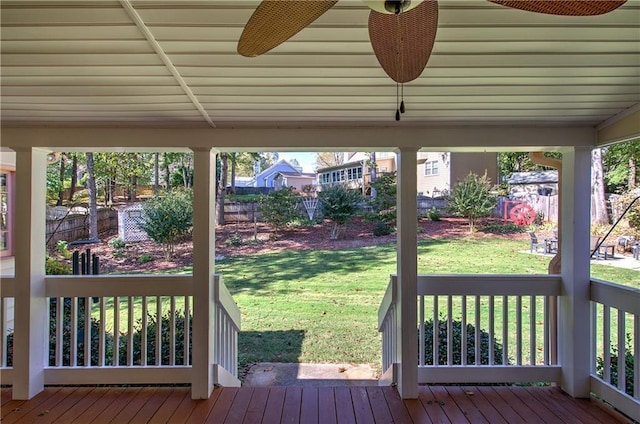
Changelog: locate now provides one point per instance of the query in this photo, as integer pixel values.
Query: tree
(597, 187)
(325, 159)
(339, 204)
(472, 198)
(621, 165)
(279, 208)
(510, 162)
(168, 219)
(222, 187)
(384, 204)
(74, 175)
(93, 198)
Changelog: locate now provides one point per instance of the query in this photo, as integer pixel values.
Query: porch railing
(128, 330)
(615, 355)
(508, 314)
(7, 294)
(511, 317)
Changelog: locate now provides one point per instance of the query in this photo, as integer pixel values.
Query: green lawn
(321, 306)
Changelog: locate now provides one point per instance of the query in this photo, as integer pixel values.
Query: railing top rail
(223, 297)
(113, 285)
(623, 298)
(489, 284)
(388, 299)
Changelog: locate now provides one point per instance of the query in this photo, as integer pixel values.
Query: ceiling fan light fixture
(392, 7)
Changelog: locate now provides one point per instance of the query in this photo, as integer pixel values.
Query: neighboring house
(437, 171)
(267, 177)
(355, 172)
(245, 182)
(523, 184)
(297, 180)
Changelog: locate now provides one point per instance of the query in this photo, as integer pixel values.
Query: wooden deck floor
(306, 405)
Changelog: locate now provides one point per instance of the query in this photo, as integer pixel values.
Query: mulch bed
(260, 238)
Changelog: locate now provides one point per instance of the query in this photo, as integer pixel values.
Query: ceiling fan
(402, 32)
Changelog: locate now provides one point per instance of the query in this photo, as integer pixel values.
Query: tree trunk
(632, 173)
(156, 173)
(372, 173)
(167, 175)
(74, 176)
(234, 160)
(600, 214)
(62, 172)
(93, 199)
(222, 186)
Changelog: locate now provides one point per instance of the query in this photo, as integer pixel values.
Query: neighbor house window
(6, 207)
(431, 168)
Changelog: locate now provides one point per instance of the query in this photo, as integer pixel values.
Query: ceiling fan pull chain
(397, 100)
(402, 98)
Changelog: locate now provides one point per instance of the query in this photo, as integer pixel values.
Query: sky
(306, 159)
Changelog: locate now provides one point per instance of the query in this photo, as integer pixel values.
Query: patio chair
(535, 243)
(604, 251)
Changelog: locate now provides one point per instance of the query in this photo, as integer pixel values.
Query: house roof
(272, 169)
(297, 174)
(341, 166)
(174, 62)
(534, 177)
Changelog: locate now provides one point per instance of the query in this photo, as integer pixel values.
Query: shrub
(457, 344)
(117, 243)
(165, 338)
(472, 198)
(508, 228)
(278, 208)
(168, 219)
(629, 363)
(55, 267)
(339, 204)
(63, 249)
(384, 204)
(145, 258)
(382, 229)
(234, 240)
(434, 214)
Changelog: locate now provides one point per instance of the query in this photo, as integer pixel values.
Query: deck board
(326, 405)
(256, 407)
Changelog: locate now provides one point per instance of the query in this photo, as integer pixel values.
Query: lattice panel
(128, 224)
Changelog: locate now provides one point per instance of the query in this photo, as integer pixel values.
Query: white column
(407, 263)
(30, 344)
(573, 304)
(204, 180)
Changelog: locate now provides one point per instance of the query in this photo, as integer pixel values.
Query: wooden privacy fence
(76, 227)
(425, 204)
(545, 206)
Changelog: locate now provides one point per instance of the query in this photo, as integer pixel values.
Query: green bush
(165, 338)
(234, 239)
(63, 249)
(384, 203)
(279, 208)
(145, 258)
(472, 198)
(382, 229)
(339, 204)
(434, 214)
(457, 344)
(54, 266)
(629, 363)
(168, 219)
(499, 228)
(117, 243)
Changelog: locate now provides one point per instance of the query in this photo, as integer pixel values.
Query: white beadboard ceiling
(147, 62)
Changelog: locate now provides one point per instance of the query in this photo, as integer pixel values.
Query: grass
(321, 306)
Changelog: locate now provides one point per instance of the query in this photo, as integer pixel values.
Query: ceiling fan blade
(275, 21)
(403, 43)
(564, 7)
